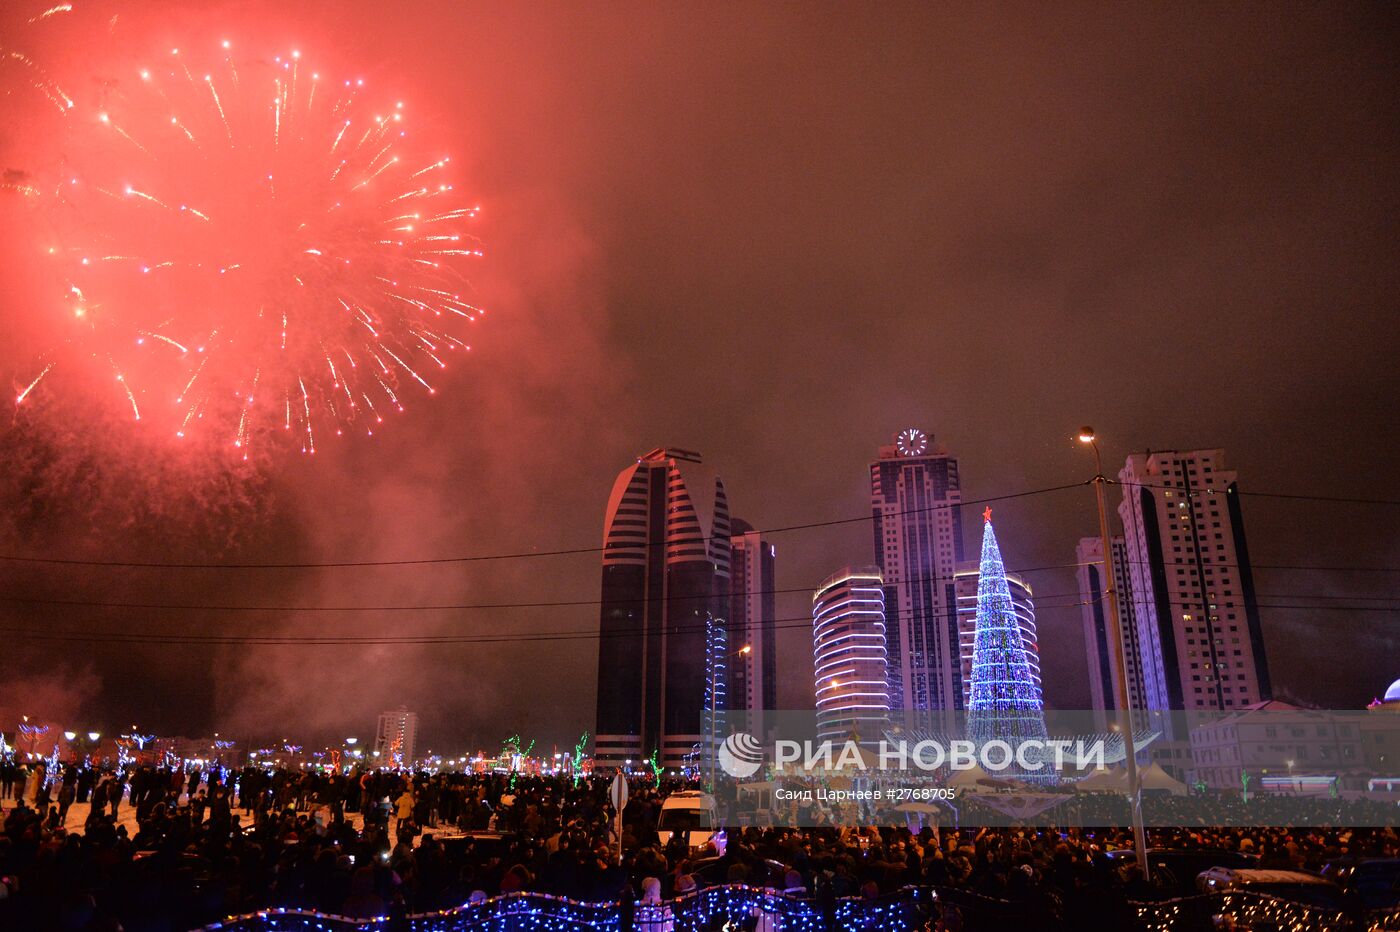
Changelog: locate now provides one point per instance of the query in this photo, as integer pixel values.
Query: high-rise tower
(753, 677)
(395, 737)
(1193, 591)
(1103, 671)
(665, 589)
(849, 658)
(915, 492)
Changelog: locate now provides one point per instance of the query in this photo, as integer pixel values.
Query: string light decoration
(716, 654)
(576, 768)
(1246, 909)
(731, 905)
(1005, 702)
(739, 905)
(32, 733)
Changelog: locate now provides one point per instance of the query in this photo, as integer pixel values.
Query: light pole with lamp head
(1119, 655)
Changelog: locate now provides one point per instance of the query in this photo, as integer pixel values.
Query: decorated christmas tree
(1004, 702)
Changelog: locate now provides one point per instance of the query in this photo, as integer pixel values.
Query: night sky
(775, 235)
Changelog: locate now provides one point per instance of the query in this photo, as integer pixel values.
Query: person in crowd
(135, 864)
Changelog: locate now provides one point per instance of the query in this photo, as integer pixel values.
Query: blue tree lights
(1004, 702)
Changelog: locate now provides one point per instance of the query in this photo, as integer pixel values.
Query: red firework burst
(249, 245)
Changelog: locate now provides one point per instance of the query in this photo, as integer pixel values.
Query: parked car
(1335, 911)
(712, 872)
(1174, 870)
(1374, 881)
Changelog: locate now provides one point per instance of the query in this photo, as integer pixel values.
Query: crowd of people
(211, 844)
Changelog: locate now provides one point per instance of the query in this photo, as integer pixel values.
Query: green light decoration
(510, 747)
(1244, 782)
(578, 757)
(656, 768)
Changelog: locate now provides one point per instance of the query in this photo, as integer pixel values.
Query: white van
(688, 811)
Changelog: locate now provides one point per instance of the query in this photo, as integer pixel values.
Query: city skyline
(633, 489)
(473, 462)
(786, 244)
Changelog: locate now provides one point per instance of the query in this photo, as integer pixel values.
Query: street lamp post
(1119, 655)
(714, 707)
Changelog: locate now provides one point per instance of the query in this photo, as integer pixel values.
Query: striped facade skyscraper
(848, 655)
(915, 494)
(1103, 672)
(1193, 594)
(664, 591)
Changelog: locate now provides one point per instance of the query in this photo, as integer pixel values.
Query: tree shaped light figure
(1005, 702)
(32, 733)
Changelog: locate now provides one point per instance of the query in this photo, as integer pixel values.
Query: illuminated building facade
(1193, 593)
(849, 655)
(665, 589)
(915, 493)
(395, 737)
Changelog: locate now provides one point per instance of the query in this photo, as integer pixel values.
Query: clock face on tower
(911, 442)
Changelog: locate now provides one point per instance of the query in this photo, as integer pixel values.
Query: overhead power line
(1198, 488)
(571, 551)
(17, 599)
(518, 555)
(802, 621)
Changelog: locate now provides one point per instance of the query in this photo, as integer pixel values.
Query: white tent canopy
(1115, 780)
(1155, 778)
(969, 777)
(1104, 781)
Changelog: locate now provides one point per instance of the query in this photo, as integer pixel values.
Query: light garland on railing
(692, 912)
(908, 909)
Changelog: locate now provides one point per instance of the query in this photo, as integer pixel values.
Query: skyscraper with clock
(915, 494)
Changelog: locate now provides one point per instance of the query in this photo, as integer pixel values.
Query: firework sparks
(248, 249)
